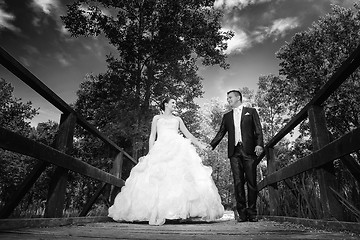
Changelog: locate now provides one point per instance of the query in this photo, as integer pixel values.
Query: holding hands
(202, 146)
(258, 150)
(208, 147)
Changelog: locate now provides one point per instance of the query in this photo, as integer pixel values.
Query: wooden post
(22, 189)
(326, 174)
(273, 192)
(350, 163)
(57, 189)
(352, 166)
(292, 188)
(93, 199)
(117, 172)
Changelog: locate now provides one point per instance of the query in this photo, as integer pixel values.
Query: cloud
(64, 31)
(239, 42)
(62, 60)
(53, 10)
(36, 22)
(25, 61)
(243, 40)
(280, 26)
(241, 4)
(6, 19)
(31, 50)
(46, 5)
(277, 30)
(46, 113)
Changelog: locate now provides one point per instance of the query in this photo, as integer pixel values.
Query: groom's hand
(258, 150)
(208, 147)
(202, 146)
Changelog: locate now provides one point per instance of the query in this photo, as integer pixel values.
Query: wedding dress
(170, 182)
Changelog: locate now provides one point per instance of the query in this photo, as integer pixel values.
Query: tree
(308, 61)
(116, 114)
(271, 106)
(14, 115)
(45, 132)
(248, 96)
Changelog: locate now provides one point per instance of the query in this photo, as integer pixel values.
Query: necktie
(237, 119)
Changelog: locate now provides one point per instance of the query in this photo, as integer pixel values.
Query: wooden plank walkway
(225, 228)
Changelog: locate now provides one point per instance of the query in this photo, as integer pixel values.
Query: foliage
(308, 61)
(14, 115)
(160, 31)
(45, 132)
(271, 106)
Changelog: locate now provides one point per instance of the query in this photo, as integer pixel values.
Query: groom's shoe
(241, 220)
(253, 219)
(242, 217)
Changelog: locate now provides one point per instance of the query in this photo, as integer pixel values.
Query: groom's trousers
(244, 170)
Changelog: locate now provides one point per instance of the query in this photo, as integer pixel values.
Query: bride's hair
(166, 100)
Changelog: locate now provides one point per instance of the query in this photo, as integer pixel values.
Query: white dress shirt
(237, 121)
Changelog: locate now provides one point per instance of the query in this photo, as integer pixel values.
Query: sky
(33, 33)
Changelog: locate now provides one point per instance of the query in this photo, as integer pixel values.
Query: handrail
(58, 155)
(334, 150)
(32, 81)
(20, 144)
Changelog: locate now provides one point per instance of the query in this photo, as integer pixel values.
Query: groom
(245, 142)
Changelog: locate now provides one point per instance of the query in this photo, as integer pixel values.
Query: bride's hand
(202, 146)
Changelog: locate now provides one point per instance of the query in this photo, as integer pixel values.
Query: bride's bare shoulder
(156, 117)
(179, 119)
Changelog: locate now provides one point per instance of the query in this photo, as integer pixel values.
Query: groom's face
(233, 99)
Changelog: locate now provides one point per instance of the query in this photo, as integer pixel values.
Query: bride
(170, 182)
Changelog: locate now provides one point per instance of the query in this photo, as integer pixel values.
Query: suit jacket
(251, 131)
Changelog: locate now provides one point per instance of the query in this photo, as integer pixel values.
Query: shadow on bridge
(326, 151)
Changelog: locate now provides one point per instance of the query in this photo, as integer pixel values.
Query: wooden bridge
(226, 228)
(269, 227)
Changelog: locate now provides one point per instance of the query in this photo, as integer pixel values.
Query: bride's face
(171, 105)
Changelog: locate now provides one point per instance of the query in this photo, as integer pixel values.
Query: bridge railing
(58, 154)
(325, 150)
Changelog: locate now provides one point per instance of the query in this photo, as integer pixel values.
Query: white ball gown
(170, 182)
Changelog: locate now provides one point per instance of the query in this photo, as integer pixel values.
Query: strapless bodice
(167, 126)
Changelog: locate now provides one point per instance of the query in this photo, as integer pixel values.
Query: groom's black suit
(242, 157)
